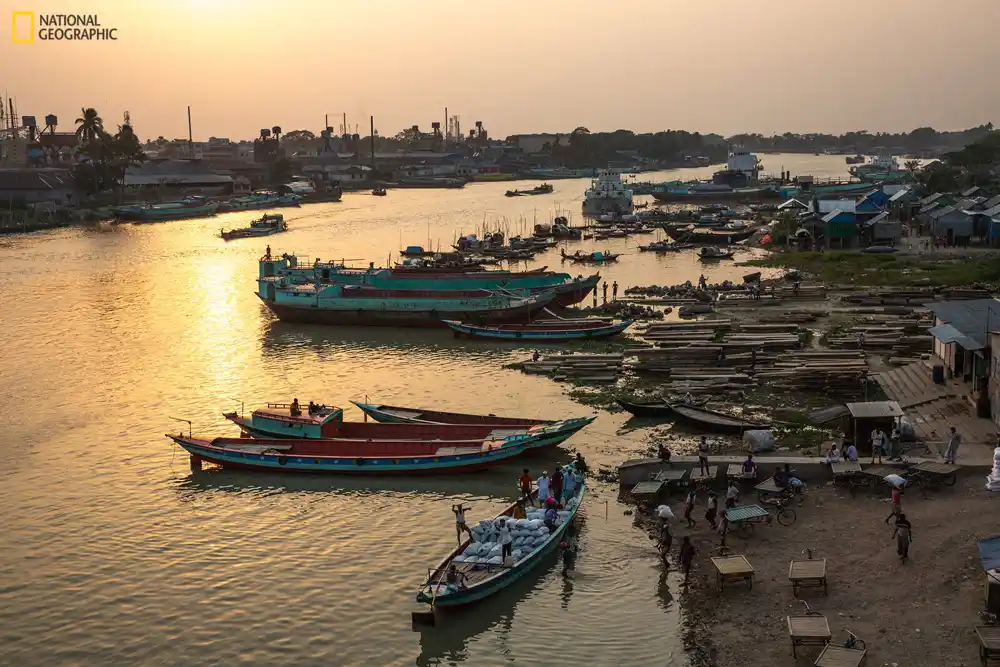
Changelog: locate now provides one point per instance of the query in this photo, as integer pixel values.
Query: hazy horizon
(767, 66)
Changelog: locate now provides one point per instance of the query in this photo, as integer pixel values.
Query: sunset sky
(549, 65)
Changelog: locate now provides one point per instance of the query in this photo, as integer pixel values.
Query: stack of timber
(792, 316)
(833, 371)
(803, 293)
(899, 338)
(582, 367)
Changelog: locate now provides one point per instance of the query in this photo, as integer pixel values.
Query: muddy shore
(918, 613)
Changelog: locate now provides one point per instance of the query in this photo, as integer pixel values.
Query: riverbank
(948, 267)
(917, 613)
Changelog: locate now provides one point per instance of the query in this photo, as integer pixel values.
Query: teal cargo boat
(189, 207)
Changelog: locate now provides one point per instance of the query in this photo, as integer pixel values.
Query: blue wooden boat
(482, 581)
(548, 433)
(550, 331)
(354, 457)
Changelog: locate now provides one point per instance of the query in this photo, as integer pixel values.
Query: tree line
(106, 156)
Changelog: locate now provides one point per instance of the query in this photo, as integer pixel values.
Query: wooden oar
(422, 617)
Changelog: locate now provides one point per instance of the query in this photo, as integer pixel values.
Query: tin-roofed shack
(962, 345)
(866, 417)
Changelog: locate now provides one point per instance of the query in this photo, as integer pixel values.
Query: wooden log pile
(582, 367)
(833, 371)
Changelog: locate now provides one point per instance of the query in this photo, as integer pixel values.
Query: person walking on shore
(689, 507)
(687, 556)
(665, 542)
(897, 500)
(713, 509)
(904, 535)
(703, 456)
(953, 444)
(614, 291)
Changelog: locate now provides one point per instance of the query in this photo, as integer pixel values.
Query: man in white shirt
(543, 487)
(506, 543)
(877, 438)
(953, 442)
(732, 494)
(460, 525)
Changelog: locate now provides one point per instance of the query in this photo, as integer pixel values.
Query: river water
(113, 553)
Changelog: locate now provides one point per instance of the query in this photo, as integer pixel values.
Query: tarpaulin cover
(989, 552)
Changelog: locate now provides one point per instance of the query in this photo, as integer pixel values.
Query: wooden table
(845, 468)
(735, 471)
(935, 468)
(670, 477)
(651, 488)
(838, 656)
(807, 574)
(808, 630)
(989, 643)
(697, 478)
(733, 568)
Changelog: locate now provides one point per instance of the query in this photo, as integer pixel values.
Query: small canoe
(707, 255)
(347, 457)
(692, 415)
(550, 332)
(481, 580)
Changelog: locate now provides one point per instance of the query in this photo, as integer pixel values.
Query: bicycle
(784, 515)
(854, 642)
(809, 610)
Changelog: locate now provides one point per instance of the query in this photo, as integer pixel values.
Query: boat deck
(283, 412)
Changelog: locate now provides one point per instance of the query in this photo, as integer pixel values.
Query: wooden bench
(811, 630)
(989, 643)
(733, 568)
(807, 574)
(838, 656)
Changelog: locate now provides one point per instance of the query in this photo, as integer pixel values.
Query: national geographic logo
(59, 28)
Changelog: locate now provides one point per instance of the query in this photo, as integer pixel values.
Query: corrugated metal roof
(931, 199)
(972, 317)
(875, 410)
(992, 201)
(845, 205)
(902, 192)
(944, 210)
(992, 211)
(929, 207)
(792, 204)
(971, 191)
(832, 215)
(878, 218)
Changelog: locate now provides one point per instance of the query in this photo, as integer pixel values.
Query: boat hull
(690, 415)
(344, 465)
(399, 318)
(755, 194)
(526, 335)
(716, 237)
(163, 215)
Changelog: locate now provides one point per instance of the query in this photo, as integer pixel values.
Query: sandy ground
(911, 614)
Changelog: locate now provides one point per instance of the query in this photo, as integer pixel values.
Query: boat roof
(282, 412)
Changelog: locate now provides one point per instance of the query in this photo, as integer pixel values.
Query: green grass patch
(838, 267)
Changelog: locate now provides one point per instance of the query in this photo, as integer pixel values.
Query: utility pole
(373, 144)
(190, 135)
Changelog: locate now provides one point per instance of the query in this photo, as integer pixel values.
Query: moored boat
(691, 234)
(326, 423)
(693, 415)
(382, 457)
(268, 224)
(259, 200)
(596, 257)
(396, 413)
(543, 189)
(710, 253)
(480, 577)
(608, 194)
(664, 246)
(189, 207)
(379, 192)
(550, 331)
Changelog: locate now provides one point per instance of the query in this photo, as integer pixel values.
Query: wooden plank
(807, 569)
(732, 565)
(808, 627)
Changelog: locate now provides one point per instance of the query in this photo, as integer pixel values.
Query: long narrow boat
(550, 332)
(395, 414)
(691, 414)
(275, 421)
(383, 457)
(481, 580)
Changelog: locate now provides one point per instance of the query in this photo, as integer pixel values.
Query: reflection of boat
(481, 580)
(608, 194)
(383, 457)
(552, 331)
(691, 414)
(269, 223)
(711, 253)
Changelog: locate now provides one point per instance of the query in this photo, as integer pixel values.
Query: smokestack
(190, 135)
(445, 126)
(373, 144)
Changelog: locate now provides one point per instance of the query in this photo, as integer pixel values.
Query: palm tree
(90, 126)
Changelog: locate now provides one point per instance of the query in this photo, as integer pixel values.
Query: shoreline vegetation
(933, 268)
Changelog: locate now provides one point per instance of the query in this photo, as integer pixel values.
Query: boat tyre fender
(383, 305)
(518, 334)
(359, 461)
(282, 460)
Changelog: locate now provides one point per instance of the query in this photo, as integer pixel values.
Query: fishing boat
(596, 257)
(663, 246)
(258, 200)
(416, 251)
(569, 290)
(189, 207)
(608, 194)
(268, 224)
(692, 234)
(539, 332)
(382, 457)
(481, 579)
(543, 189)
(710, 253)
(395, 413)
(379, 192)
(692, 415)
(610, 234)
(276, 421)
(857, 159)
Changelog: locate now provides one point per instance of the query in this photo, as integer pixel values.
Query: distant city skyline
(766, 66)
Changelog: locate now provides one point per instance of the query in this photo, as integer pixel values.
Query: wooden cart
(809, 630)
(807, 574)
(839, 656)
(989, 643)
(733, 568)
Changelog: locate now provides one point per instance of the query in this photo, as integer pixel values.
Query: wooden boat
(711, 253)
(596, 257)
(326, 423)
(379, 192)
(692, 415)
(481, 580)
(610, 234)
(382, 457)
(691, 234)
(661, 246)
(543, 189)
(416, 251)
(550, 331)
(268, 224)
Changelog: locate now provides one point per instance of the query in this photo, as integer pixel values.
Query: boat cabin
(277, 418)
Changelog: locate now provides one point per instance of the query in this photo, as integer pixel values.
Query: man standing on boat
(460, 525)
(557, 485)
(543, 487)
(614, 291)
(526, 487)
(605, 287)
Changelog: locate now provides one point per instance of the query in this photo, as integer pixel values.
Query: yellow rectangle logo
(23, 18)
